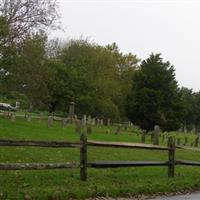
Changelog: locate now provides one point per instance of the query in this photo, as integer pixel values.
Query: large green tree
(155, 97)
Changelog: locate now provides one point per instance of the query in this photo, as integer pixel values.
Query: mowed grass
(65, 183)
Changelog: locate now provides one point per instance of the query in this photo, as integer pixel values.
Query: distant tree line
(101, 80)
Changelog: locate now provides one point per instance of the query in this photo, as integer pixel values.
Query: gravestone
(108, 131)
(108, 122)
(143, 136)
(64, 122)
(50, 122)
(98, 122)
(156, 134)
(13, 117)
(78, 126)
(41, 117)
(89, 119)
(71, 111)
(118, 129)
(84, 119)
(101, 122)
(89, 129)
(29, 117)
(93, 121)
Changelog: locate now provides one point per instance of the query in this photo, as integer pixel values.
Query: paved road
(195, 196)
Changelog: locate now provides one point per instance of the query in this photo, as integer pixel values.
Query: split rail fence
(84, 164)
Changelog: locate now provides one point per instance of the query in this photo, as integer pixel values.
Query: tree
(24, 17)
(155, 97)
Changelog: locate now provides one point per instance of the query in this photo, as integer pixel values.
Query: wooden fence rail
(84, 164)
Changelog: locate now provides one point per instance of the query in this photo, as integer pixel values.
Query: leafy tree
(25, 17)
(155, 97)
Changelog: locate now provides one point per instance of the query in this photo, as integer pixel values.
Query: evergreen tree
(155, 97)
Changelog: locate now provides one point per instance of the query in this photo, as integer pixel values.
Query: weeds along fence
(84, 164)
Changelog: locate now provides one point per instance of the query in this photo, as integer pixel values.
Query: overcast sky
(141, 27)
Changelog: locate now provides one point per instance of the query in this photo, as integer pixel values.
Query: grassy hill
(66, 184)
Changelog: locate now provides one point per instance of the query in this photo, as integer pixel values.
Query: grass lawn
(66, 184)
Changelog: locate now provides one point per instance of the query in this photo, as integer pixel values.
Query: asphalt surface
(195, 196)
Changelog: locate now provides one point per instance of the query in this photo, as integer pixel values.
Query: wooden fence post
(171, 157)
(83, 157)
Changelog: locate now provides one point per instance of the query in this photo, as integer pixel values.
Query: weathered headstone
(78, 126)
(13, 117)
(118, 129)
(29, 118)
(89, 119)
(93, 121)
(89, 129)
(108, 131)
(41, 117)
(143, 135)
(64, 122)
(50, 122)
(71, 111)
(108, 122)
(156, 134)
(98, 122)
(84, 119)
(101, 122)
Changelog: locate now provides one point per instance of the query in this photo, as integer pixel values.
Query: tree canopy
(155, 98)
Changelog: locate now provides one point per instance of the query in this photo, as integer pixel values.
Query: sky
(141, 27)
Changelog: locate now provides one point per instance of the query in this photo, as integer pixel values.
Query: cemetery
(112, 162)
(99, 99)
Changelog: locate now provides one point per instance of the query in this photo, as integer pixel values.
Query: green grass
(65, 184)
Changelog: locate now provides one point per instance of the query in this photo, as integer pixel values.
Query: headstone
(89, 129)
(108, 131)
(101, 122)
(78, 126)
(98, 122)
(64, 122)
(75, 117)
(28, 117)
(13, 117)
(108, 122)
(143, 136)
(156, 134)
(41, 117)
(17, 105)
(93, 121)
(89, 119)
(118, 129)
(84, 119)
(71, 111)
(50, 122)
